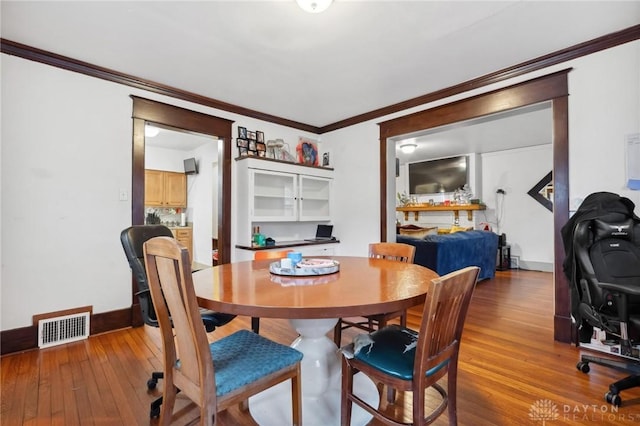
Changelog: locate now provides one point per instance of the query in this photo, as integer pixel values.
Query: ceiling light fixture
(314, 6)
(151, 131)
(408, 148)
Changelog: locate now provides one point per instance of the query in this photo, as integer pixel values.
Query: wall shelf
(469, 208)
(273, 160)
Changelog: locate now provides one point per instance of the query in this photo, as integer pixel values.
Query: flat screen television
(190, 166)
(434, 176)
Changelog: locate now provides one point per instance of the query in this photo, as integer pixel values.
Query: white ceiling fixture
(151, 131)
(314, 6)
(408, 148)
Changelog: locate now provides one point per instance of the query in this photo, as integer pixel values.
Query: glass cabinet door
(274, 196)
(314, 198)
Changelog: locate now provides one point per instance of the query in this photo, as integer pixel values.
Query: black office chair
(132, 240)
(602, 243)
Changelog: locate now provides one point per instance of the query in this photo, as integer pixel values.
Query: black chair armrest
(622, 288)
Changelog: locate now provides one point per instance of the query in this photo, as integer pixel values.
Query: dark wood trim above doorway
(554, 88)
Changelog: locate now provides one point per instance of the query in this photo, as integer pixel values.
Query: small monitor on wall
(190, 166)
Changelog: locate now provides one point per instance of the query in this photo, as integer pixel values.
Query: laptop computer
(323, 233)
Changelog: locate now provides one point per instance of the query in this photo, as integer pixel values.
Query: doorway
(554, 88)
(153, 112)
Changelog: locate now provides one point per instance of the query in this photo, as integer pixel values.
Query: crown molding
(573, 52)
(592, 46)
(49, 58)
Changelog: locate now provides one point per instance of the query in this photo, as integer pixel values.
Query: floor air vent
(63, 329)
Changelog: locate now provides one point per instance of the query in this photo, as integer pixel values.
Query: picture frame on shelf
(242, 132)
(252, 145)
(307, 151)
(325, 159)
(251, 135)
(242, 145)
(259, 136)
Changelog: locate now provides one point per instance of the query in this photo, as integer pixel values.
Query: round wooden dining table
(362, 286)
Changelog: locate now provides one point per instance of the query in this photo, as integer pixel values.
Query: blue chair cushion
(244, 357)
(393, 352)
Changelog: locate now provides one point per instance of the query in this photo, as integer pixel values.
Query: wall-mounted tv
(190, 166)
(434, 176)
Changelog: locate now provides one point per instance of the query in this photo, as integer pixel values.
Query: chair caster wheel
(583, 366)
(151, 384)
(154, 413)
(613, 399)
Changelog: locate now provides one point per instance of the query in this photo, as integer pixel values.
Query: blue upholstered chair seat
(393, 352)
(244, 357)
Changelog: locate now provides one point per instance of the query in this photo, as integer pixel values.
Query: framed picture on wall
(242, 132)
(259, 136)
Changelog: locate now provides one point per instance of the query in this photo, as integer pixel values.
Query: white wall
(66, 153)
(170, 160)
(527, 224)
(201, 194)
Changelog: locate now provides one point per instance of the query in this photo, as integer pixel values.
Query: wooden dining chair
(270, 254)
(218, 375)
(393, 251)
(402, 359)
(260, 255)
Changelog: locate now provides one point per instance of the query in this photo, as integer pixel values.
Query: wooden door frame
(553, 88)
(145, 110)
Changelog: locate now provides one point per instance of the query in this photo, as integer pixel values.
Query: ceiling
(317, 69)
(176, 139)
(520, 128)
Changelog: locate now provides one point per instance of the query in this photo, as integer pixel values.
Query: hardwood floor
(509, 363)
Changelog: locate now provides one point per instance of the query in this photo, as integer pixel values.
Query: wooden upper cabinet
(165, 189)
(153, 188)
(175, 189)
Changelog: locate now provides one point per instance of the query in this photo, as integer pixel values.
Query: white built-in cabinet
(276, 192)
(285, 197)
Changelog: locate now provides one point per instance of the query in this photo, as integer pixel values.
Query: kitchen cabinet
(165, 189)
(277, 192)
(185, 236)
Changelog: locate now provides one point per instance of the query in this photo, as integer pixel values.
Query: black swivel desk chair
(132, 240)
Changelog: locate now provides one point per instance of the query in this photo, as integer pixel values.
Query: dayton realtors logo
(545, 411)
